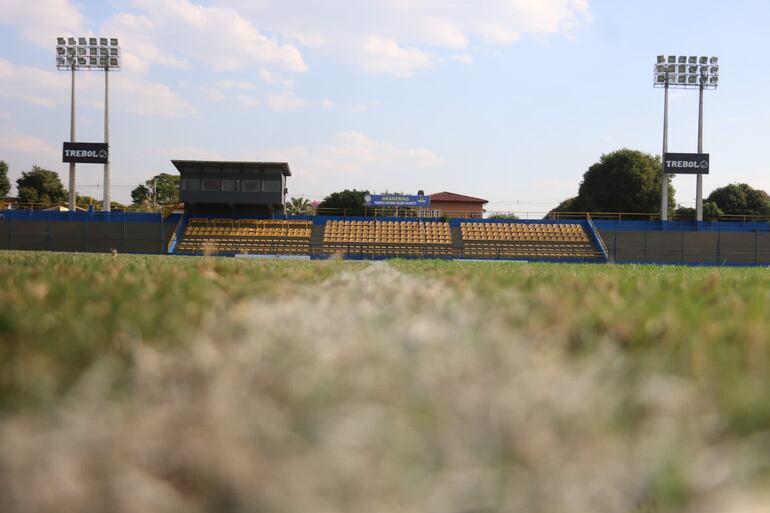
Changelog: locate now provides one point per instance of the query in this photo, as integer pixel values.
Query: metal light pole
(72, 195)
(97, 54)
(699, 183)
(106, 204)
(684, 72)
(663, 175)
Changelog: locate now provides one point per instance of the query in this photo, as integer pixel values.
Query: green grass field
(133, 383)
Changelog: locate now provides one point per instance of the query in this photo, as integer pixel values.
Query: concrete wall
(458, 209)
(688, 247)
(85, 236)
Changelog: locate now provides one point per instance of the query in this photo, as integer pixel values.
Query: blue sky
(509, 100)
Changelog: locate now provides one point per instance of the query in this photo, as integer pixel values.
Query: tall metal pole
(664, 176)
(699, 183)
(106, 206)
(72, 195)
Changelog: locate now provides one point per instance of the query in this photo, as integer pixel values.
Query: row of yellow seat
(523, 232)
(518, 227)
(386, 250)
(267, 223)
(221, 245)
(387, 232)
(234, 231)
(534, 250)
(388, 240)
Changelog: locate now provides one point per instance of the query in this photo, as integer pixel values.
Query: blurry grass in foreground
(216, 385)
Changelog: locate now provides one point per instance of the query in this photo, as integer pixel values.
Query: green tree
(140, 195)
(568, 205)
(41, 187)
(347, 201)
(86, 201)
(741, 199)
(161, 189)
(711, 211)
(622, 181)
(299, 206)
(5, 184)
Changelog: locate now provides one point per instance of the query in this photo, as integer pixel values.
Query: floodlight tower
(89, 53)
(685, 72)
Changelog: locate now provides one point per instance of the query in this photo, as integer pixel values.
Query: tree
(622, 181)
(568, 205)
(140, 195)
(347, 201)
(5, 184)
(87, 201)
(161, 189)
(41, 187)
(710, 211)
(741, 199)
(299, 207)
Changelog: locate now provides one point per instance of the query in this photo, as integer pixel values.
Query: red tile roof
(451, 197)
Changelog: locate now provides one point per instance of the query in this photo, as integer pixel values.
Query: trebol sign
(686, 163)
(86, 153)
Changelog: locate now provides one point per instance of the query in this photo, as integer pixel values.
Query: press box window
(190, 184)
(271, 186)
(251, 186)
(230, 185)
(211, 185)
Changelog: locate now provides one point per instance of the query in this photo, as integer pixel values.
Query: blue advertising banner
(396, 200)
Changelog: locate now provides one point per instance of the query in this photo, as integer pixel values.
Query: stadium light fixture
(92, 54)
(91, 47)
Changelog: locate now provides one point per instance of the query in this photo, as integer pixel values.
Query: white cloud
(357, 153)
(235, 84)
(23, 144)
(41, 21)
(177, 32)
(355, 160)
(462, 58)
(399, 37)
(327, 104)
(384, 56)
(285, 102)
(131, 93)
(5, 116)
(151, 99)
(32, 85)
(247, 101)
(190, 153)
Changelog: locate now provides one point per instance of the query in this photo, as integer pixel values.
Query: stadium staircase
(457, 239)
(245, 236)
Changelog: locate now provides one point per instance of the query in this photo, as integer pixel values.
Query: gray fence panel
(700, 247)
(143, 231)
(763, 248)
(664, 247)
(737, 248)
(27, 243)
(629, 246)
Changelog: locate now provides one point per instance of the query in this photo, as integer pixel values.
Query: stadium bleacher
(246, 236)
(528, 241)
(367, 238)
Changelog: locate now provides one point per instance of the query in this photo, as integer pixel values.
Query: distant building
(457, 205)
